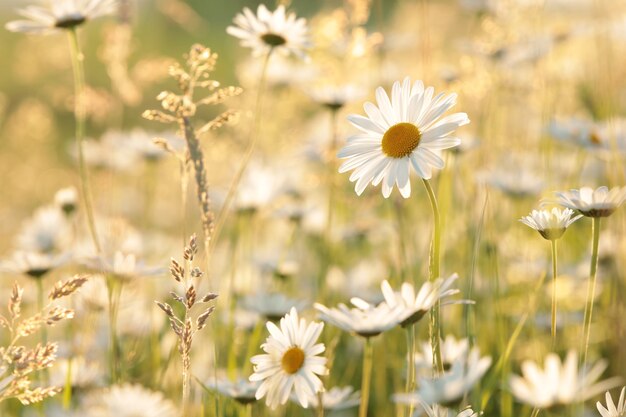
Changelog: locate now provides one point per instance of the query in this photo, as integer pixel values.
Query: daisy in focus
(290, 362)
(600, 202)
(267, 31)
(406, 131)
(550, 224)
(60, 14)
(611, 409)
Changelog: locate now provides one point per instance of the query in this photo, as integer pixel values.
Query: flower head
(337, 398)
(365, 319)
(241, 390)
(267, 31)
(464, 373)
(60, 14)
(414, 306)
(290, 362)
(600, 202)
(612, 410)
(128, 401)
(550, 224)
(559, 383)
(406, 131)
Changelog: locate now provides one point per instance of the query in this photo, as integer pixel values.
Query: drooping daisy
(559, 383)
(272, 306)
(437, 410)
(600, 202)
(464, 373)
(337, 398)
(452, 350)
(267, 31)
(365, 319)
(127, 401)
(240, 390)
(611, 409)
(290, 362)
(550, 224)
(399, 133)
(414, 306)
(60, 14)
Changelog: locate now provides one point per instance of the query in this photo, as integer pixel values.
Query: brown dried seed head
(158, 116)
(15, 302)
(177, 271)
(190, 296)
(177, 297)
(196, 272)
(167, 309)
(202, 318)
(209, 297)
(191, 249)
(63, 289)
(29, 326)
(57, 314)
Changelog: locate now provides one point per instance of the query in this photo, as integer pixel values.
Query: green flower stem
(410, 364)
(435, 325)
(554, 275)
(591, 288)
(79, 114)
(366, 377)
(114, 292)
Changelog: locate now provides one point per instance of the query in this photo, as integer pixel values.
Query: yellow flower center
(401, 139)
(292, 360)
(273, 39)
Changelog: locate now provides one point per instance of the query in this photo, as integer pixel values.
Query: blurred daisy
(414, 306)
(452, 350)
(128, 401)
(290, 362)
(60, 14)
(335, 96)
(121, 266)
(272, 306)
(271, 30)
(559, 383)
(365, 319)
(600, 202)
(337, 398)
(82, 373)
(67, 200)
(550, 224)
(33, 264)
(241, 390)
(517, 183)
(464, 373)
(399, 133)
(611, 409)
(436, 410)
(46, 232)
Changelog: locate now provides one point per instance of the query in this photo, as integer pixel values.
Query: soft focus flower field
(313, 208)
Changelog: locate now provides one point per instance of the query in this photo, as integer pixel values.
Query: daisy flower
(290, 362)
(611, 409)
(559, 383)
(335, 96)
(365, 319)
(121, 266)
(452, 350)
(240, 390)
(464, 373)
(600, 202)
(47, 231)
(438, 411)
(550, 224)
(414, 306)
(272, 306)
(406, 131)
(67, 200)
(128, 401)
(337, 398)
(267, 31)
(34, 264)
(60, 14)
